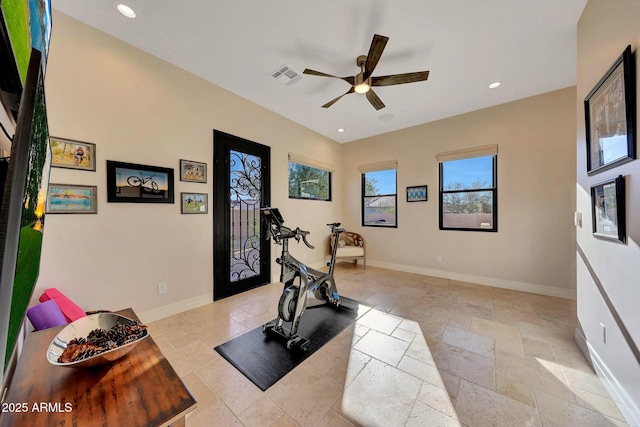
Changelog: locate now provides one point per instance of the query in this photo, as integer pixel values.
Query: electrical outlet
(439, 259)
(162, 288)
(603, 332)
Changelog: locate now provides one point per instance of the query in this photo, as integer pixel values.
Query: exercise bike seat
(334, 224)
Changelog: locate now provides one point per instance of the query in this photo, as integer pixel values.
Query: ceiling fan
(363, 81)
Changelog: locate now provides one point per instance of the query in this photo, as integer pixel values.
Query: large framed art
(134, 183)
(610, 117)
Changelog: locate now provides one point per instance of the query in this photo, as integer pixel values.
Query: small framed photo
(610, 117)
(134, 183)
(417, 193)
(608, 210)
(69, 154)
(194, 203)
(68, 199)
(191, 171)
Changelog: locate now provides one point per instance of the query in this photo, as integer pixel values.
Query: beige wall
(533, 249)
(604, 30)
(137, 108)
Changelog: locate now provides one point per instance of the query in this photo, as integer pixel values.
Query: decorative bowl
(81, 329)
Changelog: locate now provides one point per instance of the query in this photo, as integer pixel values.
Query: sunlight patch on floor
(392, 378)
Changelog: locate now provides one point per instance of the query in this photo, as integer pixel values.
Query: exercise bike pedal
(298, 343)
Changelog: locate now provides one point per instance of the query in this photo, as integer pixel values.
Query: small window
(307, 182)
(468, 194)
(379, 198)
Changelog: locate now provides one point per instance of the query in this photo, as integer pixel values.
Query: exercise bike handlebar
(281, 233)
(301, 233)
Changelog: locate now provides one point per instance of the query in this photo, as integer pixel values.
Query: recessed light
(126, 10)
(340, 130)
(494, 85)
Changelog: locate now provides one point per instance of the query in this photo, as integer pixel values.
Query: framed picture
(70, 198)
(608, 210)
(417, 193)
(610, 117)
(130, 182)
(191, 171)
(66, 153)
(194, 203)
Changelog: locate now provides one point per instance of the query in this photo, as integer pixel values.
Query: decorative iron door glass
(128, 182)
(241, 257)
(245, 192)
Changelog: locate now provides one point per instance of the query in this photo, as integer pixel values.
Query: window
(306, 181)
(379, 196)
(468, 189)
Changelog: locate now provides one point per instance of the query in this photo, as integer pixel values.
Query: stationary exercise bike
(314, 288)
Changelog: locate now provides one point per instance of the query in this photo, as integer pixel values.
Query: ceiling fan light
(362, 88)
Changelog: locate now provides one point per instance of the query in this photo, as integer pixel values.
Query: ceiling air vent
(285, 75)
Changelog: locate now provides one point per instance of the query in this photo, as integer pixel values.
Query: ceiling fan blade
(349, 80)
(333, 101)
(374, 100)
(375, 52)
(398, 79)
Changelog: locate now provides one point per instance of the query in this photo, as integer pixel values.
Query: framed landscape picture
(134, 183)
(191, 171)
(608, 210)
(610, 117)
(66, 153)
(194, 203)
(68, 198)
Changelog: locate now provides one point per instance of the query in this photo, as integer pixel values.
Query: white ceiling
(527, 45)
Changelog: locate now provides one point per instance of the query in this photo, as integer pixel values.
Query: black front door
(241, 187)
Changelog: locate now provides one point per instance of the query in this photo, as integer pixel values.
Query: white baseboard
(175, 308)
(480, 280)
(195, 302)
(626, 405)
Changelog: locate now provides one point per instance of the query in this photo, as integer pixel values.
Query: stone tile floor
(433, 352)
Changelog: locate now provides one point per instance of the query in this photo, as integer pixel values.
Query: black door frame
(223, 143)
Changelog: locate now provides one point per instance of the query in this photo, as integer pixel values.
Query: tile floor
(432, 352)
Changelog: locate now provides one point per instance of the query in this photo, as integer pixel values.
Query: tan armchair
(351, 246)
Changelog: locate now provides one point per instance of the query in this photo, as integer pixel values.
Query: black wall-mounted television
(24, 24)
(22, 210)
(25, 30)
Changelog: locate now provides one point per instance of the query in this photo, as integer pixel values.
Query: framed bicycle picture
(66, 153)
(610, 117)
(134, 183)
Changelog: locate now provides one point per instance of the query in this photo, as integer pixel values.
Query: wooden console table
(140, 389)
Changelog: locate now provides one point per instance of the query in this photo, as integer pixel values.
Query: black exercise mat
(264, 360)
